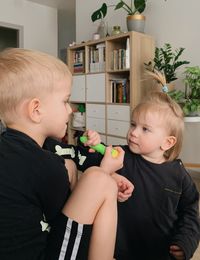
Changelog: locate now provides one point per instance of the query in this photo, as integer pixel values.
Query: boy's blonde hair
(171, 114)
(27, 74)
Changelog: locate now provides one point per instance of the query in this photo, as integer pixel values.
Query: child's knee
(101, 179)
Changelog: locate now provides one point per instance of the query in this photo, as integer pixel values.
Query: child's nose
(134, 131)
(69, 109)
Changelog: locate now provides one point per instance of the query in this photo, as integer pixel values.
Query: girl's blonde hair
(172, 115)
(27, 74)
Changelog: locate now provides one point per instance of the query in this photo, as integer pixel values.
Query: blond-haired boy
(34, 183)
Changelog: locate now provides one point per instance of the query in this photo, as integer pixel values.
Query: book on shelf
(121, 57)
(119, 91)
(127, 54)
(79, 61)
(97, 58)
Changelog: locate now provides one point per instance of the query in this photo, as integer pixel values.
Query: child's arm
(125, 187)
(187, 227)
(72, 172)
(111, 164)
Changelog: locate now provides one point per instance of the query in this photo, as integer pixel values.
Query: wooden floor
(196, 255)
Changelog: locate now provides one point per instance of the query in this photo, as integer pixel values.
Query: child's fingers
(91, 150)
(108, 150)
(177, 252)
(126, 186)
(129, 189)
(121, 197)
(93, 137)
(120, 151)
(120, 154)
(125, 191)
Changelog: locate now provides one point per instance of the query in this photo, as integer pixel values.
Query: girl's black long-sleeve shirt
(162, 211)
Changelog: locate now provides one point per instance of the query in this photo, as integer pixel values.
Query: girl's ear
(168, 143)
(34, 110)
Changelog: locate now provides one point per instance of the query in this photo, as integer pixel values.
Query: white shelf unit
(113, 85)
(192, 119)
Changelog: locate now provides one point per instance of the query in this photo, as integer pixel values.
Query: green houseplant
(135, 6)
(167, 61)
(191, 103)
(135, 21)
(134, 10)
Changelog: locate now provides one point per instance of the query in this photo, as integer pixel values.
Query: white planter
(192, 119)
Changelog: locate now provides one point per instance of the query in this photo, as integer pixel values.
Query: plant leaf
(100, 13)
(119, 5)
(140, 5)
(180, 63)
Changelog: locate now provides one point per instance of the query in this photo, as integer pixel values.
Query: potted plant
(134, 11)
(191, 104)
(165, 64)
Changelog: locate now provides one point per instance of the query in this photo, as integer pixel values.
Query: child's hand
(111, 164)
(93, 139)
(177, 252)
(125, 187)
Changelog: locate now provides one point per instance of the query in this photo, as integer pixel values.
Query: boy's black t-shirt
(34, 186)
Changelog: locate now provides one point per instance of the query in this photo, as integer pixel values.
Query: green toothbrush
(99, 147)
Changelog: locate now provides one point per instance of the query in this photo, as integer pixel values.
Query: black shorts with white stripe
(68, 240)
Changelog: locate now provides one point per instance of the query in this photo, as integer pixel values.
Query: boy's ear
(168, 143)
(34, 110)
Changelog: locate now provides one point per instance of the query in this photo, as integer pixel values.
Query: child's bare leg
(94, 201)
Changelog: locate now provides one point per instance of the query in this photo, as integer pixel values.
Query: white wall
(39, 23)
(191, 145)
(66, 27)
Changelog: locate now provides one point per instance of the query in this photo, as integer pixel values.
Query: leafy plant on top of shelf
(135, 6)
(166, 61)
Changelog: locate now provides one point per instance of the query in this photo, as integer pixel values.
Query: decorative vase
(136, 22)
(102, 30)
(116, 30)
